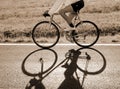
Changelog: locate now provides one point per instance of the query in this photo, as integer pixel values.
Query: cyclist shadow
(70, 81)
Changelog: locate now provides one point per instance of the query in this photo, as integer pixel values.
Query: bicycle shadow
(71, 80)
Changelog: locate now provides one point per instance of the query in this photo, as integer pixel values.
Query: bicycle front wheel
(37, 62)
(86, 34)
(45, 34)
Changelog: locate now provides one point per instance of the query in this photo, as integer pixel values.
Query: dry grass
(19, 17)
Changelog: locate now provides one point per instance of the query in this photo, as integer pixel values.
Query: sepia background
(18, 17)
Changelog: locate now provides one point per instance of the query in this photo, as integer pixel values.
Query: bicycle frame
(53, 21)
(77, 17)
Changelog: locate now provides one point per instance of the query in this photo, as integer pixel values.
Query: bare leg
(68, 18)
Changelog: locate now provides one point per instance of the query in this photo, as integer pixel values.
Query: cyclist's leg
(71, 15)
(68, 18)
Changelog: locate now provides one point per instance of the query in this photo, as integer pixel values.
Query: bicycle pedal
(74, 33)
(70, 34)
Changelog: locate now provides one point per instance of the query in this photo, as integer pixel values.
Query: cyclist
(66, 6)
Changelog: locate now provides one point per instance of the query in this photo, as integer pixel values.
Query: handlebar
(70, 54)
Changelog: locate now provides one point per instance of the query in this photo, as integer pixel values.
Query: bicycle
(83, 57)
(46, 34)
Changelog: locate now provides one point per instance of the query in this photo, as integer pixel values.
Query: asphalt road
(11, 57)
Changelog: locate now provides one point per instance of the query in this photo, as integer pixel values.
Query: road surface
(11, 76)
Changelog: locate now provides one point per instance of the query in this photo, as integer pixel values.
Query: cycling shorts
(77, 5)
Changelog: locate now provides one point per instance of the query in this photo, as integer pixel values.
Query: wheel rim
(96, 63)
(88, 36)
(43, 37)
(30, 68)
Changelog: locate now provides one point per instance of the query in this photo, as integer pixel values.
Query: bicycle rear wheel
(86, 34)
(45, 35)
(95, 65)
(39, 62)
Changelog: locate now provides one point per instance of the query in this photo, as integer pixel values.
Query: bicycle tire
(100, 69)
(32, 54)
(83, 29)
(43, 35)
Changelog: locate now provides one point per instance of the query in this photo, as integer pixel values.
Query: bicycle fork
(86, 66)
